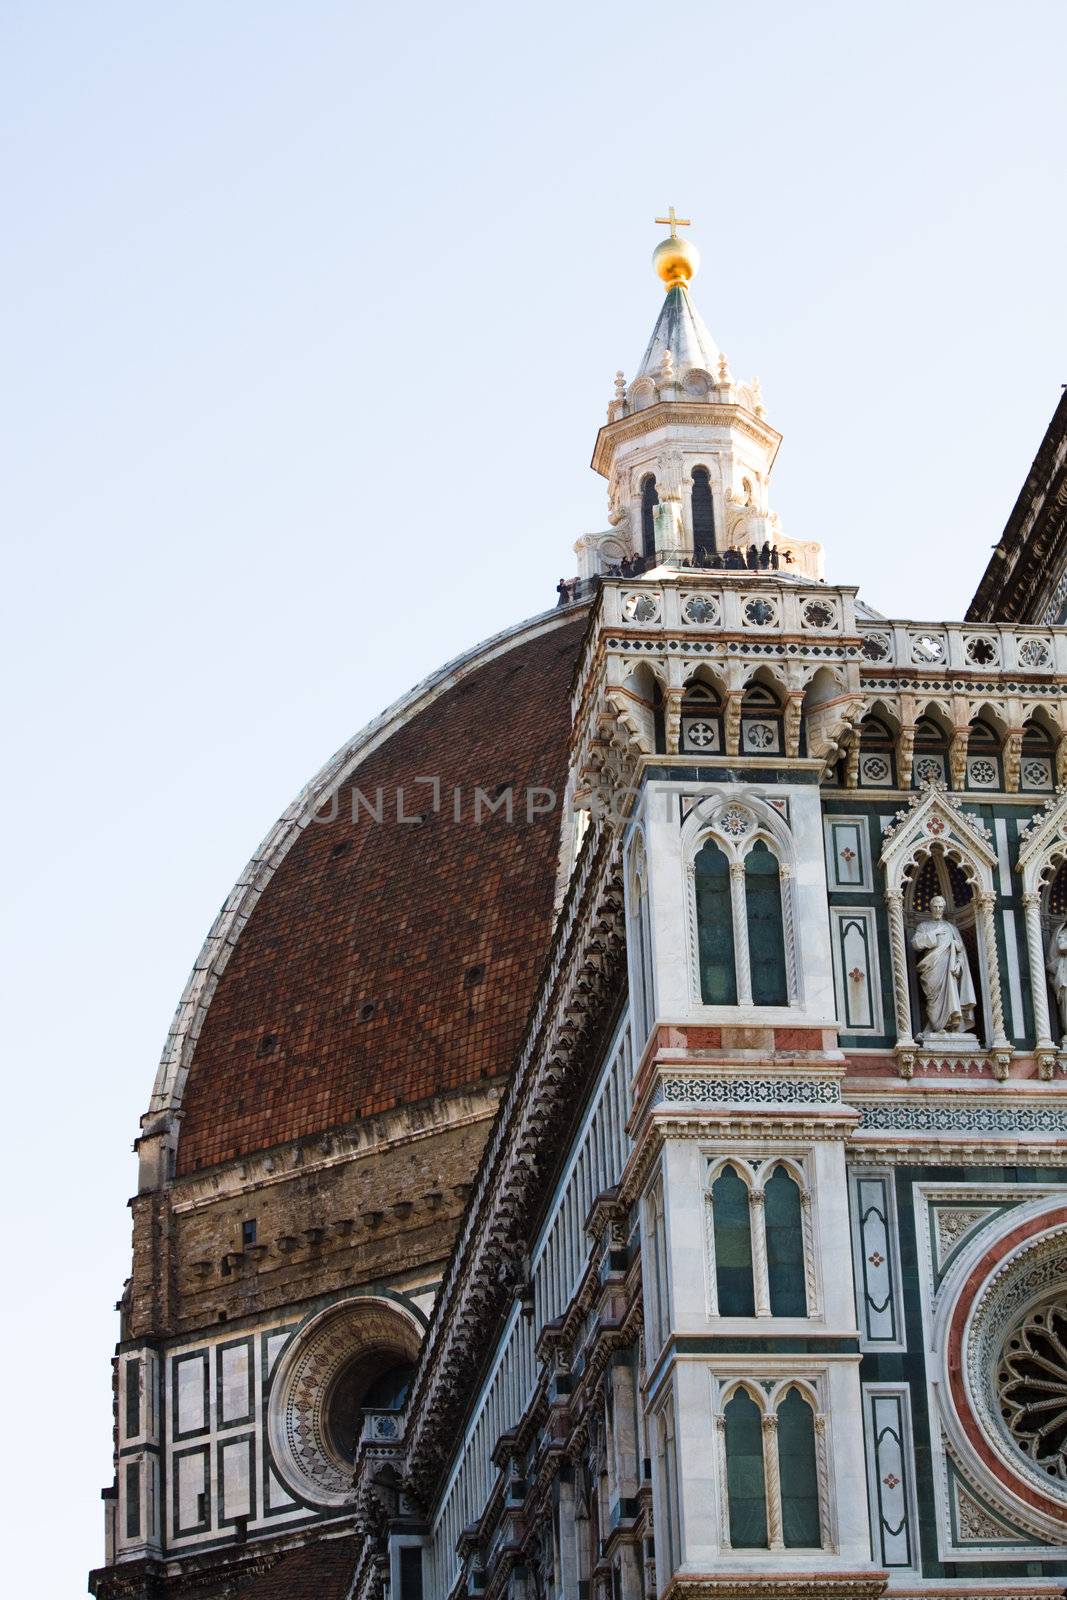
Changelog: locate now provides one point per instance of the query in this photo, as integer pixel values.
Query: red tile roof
(386, 963)
(319, 1571)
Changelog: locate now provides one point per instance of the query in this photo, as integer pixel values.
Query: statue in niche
(944, 974)
(1056, 962)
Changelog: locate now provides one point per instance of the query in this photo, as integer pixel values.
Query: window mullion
(740, 917)
(757, 1219)
(772, 1482)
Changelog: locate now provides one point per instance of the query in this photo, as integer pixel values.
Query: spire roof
(680, 329)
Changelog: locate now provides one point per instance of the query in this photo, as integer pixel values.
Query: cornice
(683, 414)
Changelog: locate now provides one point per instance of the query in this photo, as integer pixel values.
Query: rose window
(982, 652)
(876, 646)
(735, 821)
(1032, 1387)
(698, 608)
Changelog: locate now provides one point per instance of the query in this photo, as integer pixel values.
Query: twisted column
(1035, 949)
(758, 1235)
(737, 907)
(772, 1482)
(899, 951)
(987, 908)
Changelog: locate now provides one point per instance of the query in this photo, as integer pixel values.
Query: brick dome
(365, 965)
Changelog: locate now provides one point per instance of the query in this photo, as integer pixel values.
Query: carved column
(1013, 756)
(758, 1234)
(822, 1469)
(740, 918)
(724, 1490)
(673, 721)
(894, 901)
(771, 1480)
(1035, 949)
(987, 916)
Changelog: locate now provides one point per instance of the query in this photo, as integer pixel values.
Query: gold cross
(673, 222)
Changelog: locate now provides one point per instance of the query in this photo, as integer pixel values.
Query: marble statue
(1056, 962)
(945, 977)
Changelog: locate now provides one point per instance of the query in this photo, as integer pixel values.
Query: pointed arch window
(1037, 768)
(703, 516)
(784, 1221)
(930, 762)
(798, 1473)
(984, 768)
(760, 1241)
(766, 944)
(774, 1485)
(734, 1282)
(649, 501)
(877, 756)
(745, 1481)
(761, 722)
(715, 927)
(701, 720)
(640, 942)
(741, 916)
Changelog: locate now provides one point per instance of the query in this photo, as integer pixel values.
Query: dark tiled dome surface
(386, 963)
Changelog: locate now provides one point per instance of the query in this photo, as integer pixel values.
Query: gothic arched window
(649, 500)
(715, 927)
(766, 942)
(798, 1473)
(785, 1245)
(761, 722)
(1037, 769)
(701, 720)
(734, 1286)
(745, 1485)
(876, 755)
(930, 762)
(703, 515)
(983, 756)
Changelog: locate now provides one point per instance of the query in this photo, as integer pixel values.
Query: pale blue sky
(310, 313)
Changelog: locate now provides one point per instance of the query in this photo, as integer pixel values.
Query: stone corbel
(673, 721)
(793, 715)
(957, 756)
(1013, 758)
(905, 752)
(732, 721)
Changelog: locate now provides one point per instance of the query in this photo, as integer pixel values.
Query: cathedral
(611, 1143)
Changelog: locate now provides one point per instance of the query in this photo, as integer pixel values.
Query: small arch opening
(649, 502)
(703, 512)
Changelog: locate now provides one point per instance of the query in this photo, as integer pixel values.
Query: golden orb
(676, 260)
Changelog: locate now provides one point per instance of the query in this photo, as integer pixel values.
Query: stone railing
(937, 646)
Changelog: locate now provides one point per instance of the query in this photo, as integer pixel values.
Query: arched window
(761, 722)
(649, 500)
(983, 756)
(876, 758)
(1036, 771)
(797, 1473)
(930, 763)
(703, 516)
(733, 1245)
(766, 944)
(785, 1245)
(701, 720)
(745, 1485)
(715, 927)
